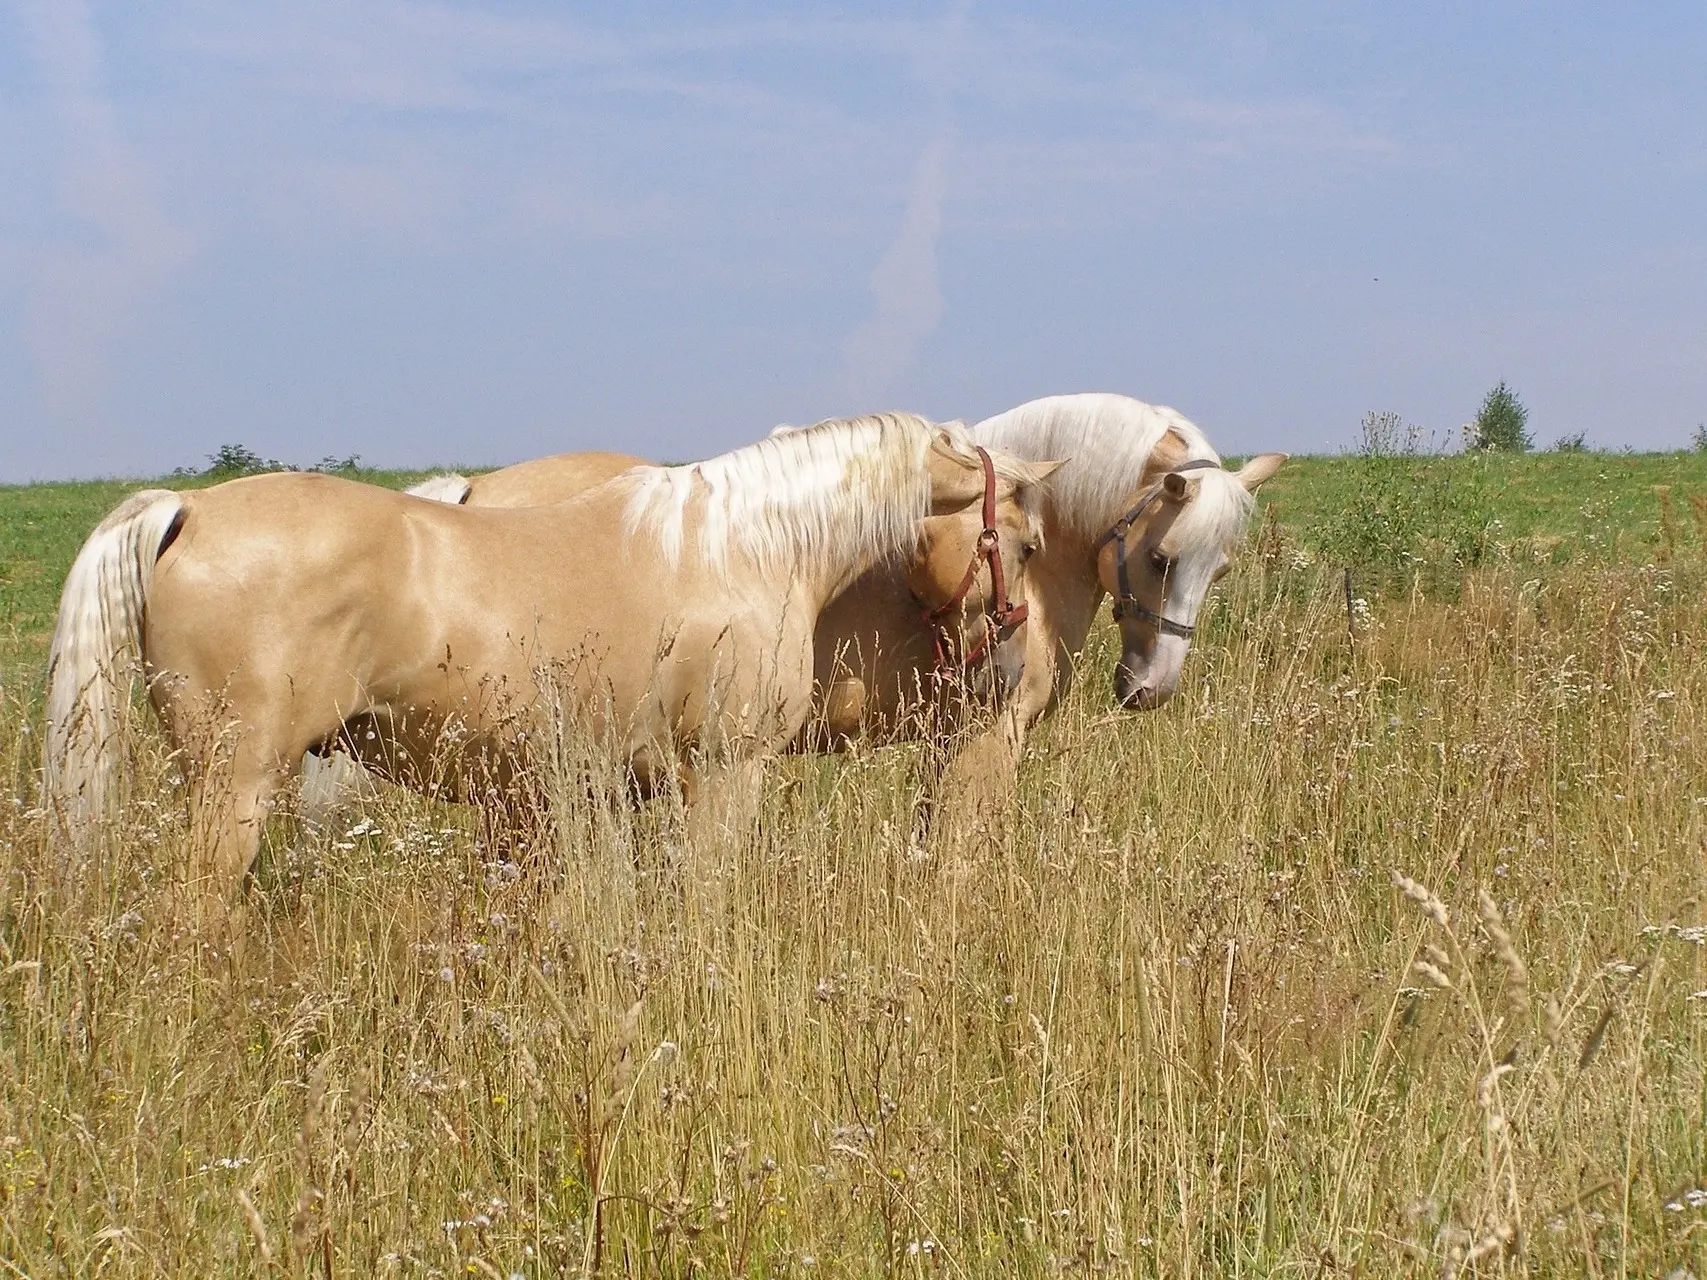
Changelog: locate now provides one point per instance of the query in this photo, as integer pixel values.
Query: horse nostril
(1141, 697)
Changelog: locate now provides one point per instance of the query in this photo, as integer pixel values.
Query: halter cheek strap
(1125, 603)
(1004, 616)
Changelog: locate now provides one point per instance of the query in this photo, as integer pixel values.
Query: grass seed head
(1516, 971)
(1433, 974)
(1431, 906)
(257, 1227)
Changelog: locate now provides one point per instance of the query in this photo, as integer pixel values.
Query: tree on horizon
(1501, 423)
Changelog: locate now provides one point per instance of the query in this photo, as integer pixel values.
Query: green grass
(1602, 504)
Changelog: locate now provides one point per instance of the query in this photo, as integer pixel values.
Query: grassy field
(1379, 952)
(1601, 505)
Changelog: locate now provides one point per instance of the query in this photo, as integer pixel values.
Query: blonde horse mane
(448, 487)
(806, 499)
(1108, 441)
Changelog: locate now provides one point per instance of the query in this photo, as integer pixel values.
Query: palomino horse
(1141, 511)
(296, 611)
(1144, 513)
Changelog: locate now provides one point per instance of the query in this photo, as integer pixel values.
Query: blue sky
(443, 233)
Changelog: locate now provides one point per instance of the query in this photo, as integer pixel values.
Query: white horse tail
(448, 487)
(96, 642)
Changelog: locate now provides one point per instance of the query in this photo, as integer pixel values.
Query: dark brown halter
(1125, 602)
(1003, 614)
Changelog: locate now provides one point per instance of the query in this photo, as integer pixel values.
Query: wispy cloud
(906, 292)
(435, 58)
(1288, 125)
(906, 295)
(83, 291)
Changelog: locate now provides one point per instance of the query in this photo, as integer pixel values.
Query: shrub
(1501, 422)
(240, 460)
(1410, 511)
(1576, 442)
(1698, 441)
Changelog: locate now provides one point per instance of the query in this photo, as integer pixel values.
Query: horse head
(1159, 560)
(968, 576)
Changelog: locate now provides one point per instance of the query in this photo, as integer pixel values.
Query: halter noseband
(1125, 603)
(1002, 613)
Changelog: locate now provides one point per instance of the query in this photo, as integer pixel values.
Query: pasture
(1380, 951)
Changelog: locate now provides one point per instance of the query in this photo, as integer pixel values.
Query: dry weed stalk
(1497, 1215)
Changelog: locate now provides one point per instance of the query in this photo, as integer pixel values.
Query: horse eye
(1160, 562)
(1027, 550)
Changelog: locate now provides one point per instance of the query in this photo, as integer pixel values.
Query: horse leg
(725, 800)
(975, 789)
(330, 783)
(230, 806)
(722, 811)
(974, 792)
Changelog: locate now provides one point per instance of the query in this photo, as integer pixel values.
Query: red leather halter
(1003, 614)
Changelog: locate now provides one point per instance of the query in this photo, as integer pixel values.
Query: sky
(433, 234)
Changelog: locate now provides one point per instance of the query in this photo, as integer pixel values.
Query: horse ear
(1174, 486)
(1259, 469)
(1041, 471)
(944, 443)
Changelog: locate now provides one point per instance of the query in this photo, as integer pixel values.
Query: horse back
(542, 481)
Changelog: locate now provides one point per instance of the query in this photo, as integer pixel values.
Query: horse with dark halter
(1125, 603)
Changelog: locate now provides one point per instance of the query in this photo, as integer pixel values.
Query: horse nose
(1128, 686)
(1137, 691)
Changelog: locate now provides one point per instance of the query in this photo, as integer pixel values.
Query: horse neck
(1071, 558)
(829, 566)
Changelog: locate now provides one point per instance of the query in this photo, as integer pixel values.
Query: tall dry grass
(1374, 954)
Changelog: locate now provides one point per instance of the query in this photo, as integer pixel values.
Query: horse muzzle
(1006, 667)
(1142, 688)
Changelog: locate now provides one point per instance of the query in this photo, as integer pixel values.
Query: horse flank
(1108, 441)
(807, 500)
